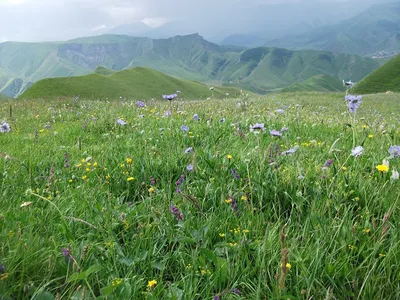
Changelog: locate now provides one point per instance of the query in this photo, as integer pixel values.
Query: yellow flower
(222, 234)
(288, 266)
(382, 255)
(244, 198)
(364, 126)
(382, 168)
(151, 190)
(130, 179)
(3, 276)
(229, 156)
(246, 231)
(344, 168)
(229, 201)
(151, 283)
(87, 169)
(371, 136)
(129, 160)
(367, 230)
(95, 164)
(84, 177)
(116, 282)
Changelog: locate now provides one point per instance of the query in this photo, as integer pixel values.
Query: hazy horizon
(45, 20)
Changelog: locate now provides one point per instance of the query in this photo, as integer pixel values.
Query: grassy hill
(190, 57)
(138, 82)
(4, 98)
(386, 78)
(319, 83)
(376, 29)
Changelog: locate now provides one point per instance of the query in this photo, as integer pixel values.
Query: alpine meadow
(141, 160)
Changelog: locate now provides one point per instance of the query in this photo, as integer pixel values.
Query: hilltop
(191, 57)
(386, 78)
(137, 83)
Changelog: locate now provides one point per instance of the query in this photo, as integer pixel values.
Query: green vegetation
(320, 83)
(2, 98)
(85, 210)
(137, 83)
(386, 78)
(375, 30)
(191, 57)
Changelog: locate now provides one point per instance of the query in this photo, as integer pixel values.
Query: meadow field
(285, 196)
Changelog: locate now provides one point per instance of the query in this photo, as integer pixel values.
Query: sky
(49, 20)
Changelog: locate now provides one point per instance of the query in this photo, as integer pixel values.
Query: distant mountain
(138, 82)
(376, 29)
(191, 57)
(386, 78)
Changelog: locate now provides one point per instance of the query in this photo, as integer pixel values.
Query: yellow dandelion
(129, 160)
(222, 234)
(288, 266)
(244, 198)
(382, 168)
(151, 283)
(371, 136)
(229, 201)
(367, 230)
(95, 164)
(229, 156)
(130, 179)
(151, 190)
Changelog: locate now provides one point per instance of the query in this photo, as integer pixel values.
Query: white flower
(25, 204)
(395, 175)
(357, 151)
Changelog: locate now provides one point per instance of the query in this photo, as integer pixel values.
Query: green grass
(137, 83)
(386, 78)
(4, 98)
(320, 83)
(111, 206)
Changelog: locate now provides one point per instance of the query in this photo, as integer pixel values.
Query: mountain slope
(386, 78)
(319, 83)
(191, 57)
(376, 29)
(138, 83)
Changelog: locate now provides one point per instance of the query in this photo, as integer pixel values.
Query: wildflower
(395, 175)
(152, 180)
(5, 127)
(290, 151)
(167, 113)
(25, 204)
(180, 180)
(236, 291)
(151, 283)
(367, 230)
(128, 160)
(257, 128)
(222, 234)
(382, 255)
(116, 282)
(382, 168)
(184, 128)
(170, 97)
(235, 174)
(140, 104)
(280, 111)
(328, 163)
(121, 122)
(229, 156)
(151, 190)
(232, 202)
(275, 133)
(190, 168)
(130, 178)
(176, 212)
(357, 151)
(364, 126)
(195, 117)
(66, 252)
(288, 266)
(394, 151)
(244, 198)
(353, 102)
(284, 128)
(188, 150)
(216, 297)
(371, 136)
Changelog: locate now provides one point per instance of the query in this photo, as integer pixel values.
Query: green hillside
(376, 29)
(386, 78)
(138, 83)
(319, 83)
(3, 98)
(191, 57)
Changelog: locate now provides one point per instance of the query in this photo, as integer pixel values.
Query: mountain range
(377, 29)
(191, 57)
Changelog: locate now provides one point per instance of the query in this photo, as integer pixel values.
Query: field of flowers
(289, 196)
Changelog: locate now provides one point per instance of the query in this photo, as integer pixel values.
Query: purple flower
(140, 104)
(275, 133)
(180, 180)
(235, 174)
(328, 163)
(280, 111)
(66, 252)
(357, 151)
(188, 150)
(257, 128)
(394, 151)
(167, 113)
(195, 117)
(121, 122)
(184, 128)
(176, 212)
(233, 203)
(66, 162)
(189, 168)
(170, 97)
(236, 291)
(216, 297)
(152, 181)
(290, 151)
(353, 102)
(5, 127)
(284, 128)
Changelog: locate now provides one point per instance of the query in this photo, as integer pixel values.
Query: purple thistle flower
(176, 212)
(188, 150)
(357, 151)
(189, 168)
(140, 104)
(180, 180)
(66, 252)
(170, 97)
(5, 127)
(275, 133)
(121, 122)
(257, 128)
(195, 117)
(394, 151)
(184, 128)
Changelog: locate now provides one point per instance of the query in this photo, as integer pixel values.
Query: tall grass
(85, 204)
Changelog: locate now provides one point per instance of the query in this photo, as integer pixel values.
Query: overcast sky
(40, 20)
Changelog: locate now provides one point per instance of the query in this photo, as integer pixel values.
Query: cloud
(33, 20)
